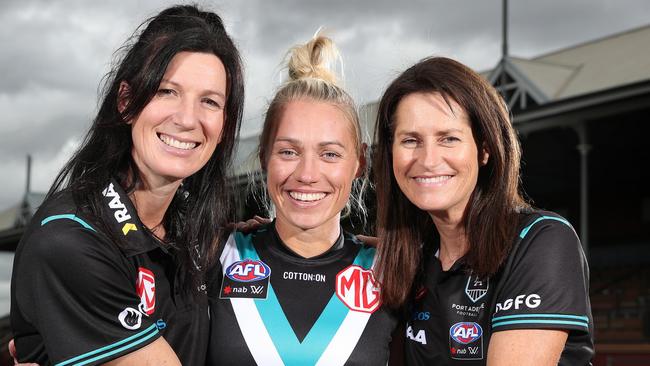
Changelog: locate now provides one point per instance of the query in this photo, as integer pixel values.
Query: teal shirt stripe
(365, 257)
(535, 321)
(136, 338)
(558, 316)
(69, 217)
(527, 228)
(292, 351)
(245, 247)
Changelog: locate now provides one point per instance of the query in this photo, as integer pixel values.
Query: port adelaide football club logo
(247, 278)
(476, 288)
(466, 341)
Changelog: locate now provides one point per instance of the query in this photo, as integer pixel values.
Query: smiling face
(311, 164)
(178, 130)
(435, 157)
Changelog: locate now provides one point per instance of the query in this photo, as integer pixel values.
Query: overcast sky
(54, 53)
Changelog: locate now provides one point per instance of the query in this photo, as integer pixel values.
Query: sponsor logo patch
(420, 336)
(246, 279)
(530, 301)
(248, 271)
(120, 212)
(130, 318)
(357, 289)
(476, 288)
(466, 341)
(146, 287)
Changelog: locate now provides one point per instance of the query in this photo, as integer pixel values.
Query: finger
(368, 240)
(12, 349)
(262, 220)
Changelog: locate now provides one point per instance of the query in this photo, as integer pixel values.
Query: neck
(311, 242)
(453, 239)
(151, 202)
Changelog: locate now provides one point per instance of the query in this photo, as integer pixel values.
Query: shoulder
(61, 235)
(545, 242)
(545, 231)
(535, 221)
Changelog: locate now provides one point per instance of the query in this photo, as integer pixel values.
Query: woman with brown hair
(487, 278)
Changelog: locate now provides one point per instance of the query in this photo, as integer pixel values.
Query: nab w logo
(357, 289)
(256, 290)
(120, 212)
(465, 332)
(248, 271)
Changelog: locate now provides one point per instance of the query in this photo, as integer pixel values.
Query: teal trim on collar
(68, 217)
(527, 228)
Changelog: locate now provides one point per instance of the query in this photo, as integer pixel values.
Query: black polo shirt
(544, 284)
(270, 306)
(79, 299)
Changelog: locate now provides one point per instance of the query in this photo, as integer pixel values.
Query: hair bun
(315, 59)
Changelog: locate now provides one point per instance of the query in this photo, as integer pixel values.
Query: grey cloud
(54, 53)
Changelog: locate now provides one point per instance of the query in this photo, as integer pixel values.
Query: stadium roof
(590, 68)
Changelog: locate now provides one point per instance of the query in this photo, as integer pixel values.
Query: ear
(362, 161)
(123, 96)
(484, 156)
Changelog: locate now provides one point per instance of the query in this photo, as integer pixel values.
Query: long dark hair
(406, 232)
(195, 219)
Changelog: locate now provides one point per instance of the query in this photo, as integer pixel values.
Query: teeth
(307, 197)
(437, 179)
(170, 141)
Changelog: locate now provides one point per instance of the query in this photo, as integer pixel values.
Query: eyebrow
(438, 133)
(177, 85)
(297, 142)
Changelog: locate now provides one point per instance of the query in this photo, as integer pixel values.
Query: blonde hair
(312, 77)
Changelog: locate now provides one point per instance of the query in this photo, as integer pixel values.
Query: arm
(158, 353)
(76, 300)
(534, 347)
(542, 302)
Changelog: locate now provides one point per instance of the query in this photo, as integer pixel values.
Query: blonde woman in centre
(300, 290)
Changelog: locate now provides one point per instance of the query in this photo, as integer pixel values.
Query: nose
(430, 154)
(187, 114)
(307, 170)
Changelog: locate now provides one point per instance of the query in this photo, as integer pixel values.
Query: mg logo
(357, 289)
(248, 271)
(146, 287)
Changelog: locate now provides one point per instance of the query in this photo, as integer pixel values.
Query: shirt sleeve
(545, 281)
(78, 291)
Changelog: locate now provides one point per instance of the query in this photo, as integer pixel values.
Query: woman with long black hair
(115, 257)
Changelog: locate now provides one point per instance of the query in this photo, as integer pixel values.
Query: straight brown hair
(405, 232)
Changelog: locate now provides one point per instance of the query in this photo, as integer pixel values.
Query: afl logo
(248, 270)
(465, 332)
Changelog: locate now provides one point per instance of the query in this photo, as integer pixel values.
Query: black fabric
(71, 283)
(543, 285)
(302, 301)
